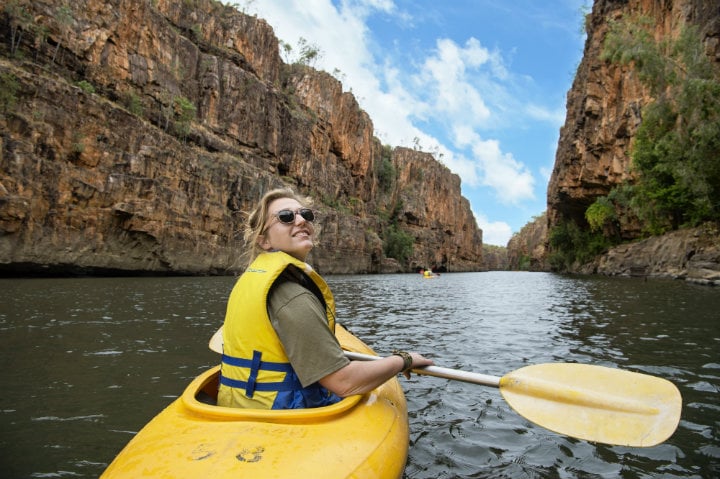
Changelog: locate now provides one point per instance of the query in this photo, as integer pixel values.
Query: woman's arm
(299, 319)
(359, 377)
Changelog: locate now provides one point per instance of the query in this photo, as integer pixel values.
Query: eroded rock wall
(604, 106)
(136, 133)
(604, 110)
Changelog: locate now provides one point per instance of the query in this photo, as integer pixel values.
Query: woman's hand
(418, 361)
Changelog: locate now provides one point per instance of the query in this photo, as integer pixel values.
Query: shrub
(398, 244)
(600, 214)
(86, 86)
(185, 112)
(8, 91)
(572, 245)
(386, 174)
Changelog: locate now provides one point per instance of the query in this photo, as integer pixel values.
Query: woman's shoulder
(289, 284)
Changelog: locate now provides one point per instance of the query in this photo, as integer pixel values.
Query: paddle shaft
(457, 375)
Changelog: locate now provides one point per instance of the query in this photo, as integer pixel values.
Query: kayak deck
(363, 436)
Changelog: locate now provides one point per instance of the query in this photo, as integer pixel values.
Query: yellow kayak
(359, 437)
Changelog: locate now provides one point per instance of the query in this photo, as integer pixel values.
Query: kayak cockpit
(200, 398)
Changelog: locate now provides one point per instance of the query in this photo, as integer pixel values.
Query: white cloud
(444, 78)
(510, 179)
(391, 110)
(446, 82)
(466, 169)
(494, 232)
(463, 136)
(340, 35)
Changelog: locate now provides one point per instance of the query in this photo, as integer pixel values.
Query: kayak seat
(209, 392)
(205, 398)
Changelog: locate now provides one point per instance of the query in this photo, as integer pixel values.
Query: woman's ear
(264, 242)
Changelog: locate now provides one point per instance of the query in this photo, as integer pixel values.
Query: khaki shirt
(300, 322)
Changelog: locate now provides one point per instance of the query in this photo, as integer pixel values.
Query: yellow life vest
(256, 372)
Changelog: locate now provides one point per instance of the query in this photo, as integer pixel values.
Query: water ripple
(78, 383)
(496, 322)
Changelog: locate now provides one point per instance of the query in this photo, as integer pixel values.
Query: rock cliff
(135, 133)
(527, 249)
(495, 258)
(604, 110)
(604, 106)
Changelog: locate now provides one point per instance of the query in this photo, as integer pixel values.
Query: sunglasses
(288, 216)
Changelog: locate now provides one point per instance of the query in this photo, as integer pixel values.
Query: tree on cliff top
(307, 53)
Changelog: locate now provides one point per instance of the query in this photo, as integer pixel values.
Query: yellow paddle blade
(595, 403)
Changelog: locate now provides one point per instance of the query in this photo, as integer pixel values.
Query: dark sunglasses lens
(286, 216)
(307, 214)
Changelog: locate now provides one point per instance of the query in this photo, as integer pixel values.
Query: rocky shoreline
(692, 255)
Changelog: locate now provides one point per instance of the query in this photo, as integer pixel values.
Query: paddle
(593, 403)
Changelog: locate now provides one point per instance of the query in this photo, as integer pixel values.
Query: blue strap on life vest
(252, 379)
(248, 363)
(290, 383)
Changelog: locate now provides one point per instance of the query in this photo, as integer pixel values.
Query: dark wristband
(407, 359)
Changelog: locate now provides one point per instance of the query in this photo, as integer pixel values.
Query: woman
(280, 350)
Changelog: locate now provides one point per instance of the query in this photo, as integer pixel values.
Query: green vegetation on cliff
(398, 244)
(677, 147)
(573, 245)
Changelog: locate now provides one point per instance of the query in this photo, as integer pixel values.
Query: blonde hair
(258, 217)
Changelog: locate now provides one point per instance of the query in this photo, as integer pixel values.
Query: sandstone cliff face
(426, 204)
(137, 132)
(495, 258)
(604, 110)
(527, 249)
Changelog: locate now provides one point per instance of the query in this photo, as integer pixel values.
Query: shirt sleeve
(299, 320)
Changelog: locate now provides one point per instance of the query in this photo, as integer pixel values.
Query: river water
(86, 362)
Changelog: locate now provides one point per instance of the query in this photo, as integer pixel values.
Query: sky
(481, 84)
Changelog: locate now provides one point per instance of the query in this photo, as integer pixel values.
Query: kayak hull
(360, 437)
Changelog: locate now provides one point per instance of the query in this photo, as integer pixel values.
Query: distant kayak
(362, 436)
